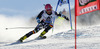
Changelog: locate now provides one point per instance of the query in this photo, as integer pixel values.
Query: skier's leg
(30, 33)
(45, 31)
(27, 35)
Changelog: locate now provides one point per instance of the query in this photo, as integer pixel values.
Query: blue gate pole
(70, 15)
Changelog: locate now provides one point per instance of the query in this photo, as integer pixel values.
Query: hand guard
(38, 20)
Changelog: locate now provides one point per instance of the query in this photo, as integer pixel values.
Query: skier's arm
(57, 14)
(39, 17)
(65, 17)
(61, 15)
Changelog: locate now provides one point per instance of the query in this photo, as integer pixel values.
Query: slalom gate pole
(70, 15)
(54, 17)
(75, 26)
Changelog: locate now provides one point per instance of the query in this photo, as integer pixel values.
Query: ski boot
(41, 37)
(22, 38)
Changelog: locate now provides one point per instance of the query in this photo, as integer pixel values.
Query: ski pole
(20, 28)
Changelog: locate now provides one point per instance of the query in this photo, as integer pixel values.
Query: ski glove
(65, 17)
(38, 20)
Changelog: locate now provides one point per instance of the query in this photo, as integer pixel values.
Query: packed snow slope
(87, 38)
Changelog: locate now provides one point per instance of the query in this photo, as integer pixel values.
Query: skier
(44, 20)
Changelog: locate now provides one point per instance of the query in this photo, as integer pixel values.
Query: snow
(87, 38)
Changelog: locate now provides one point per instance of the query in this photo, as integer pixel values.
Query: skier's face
(49, 11)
